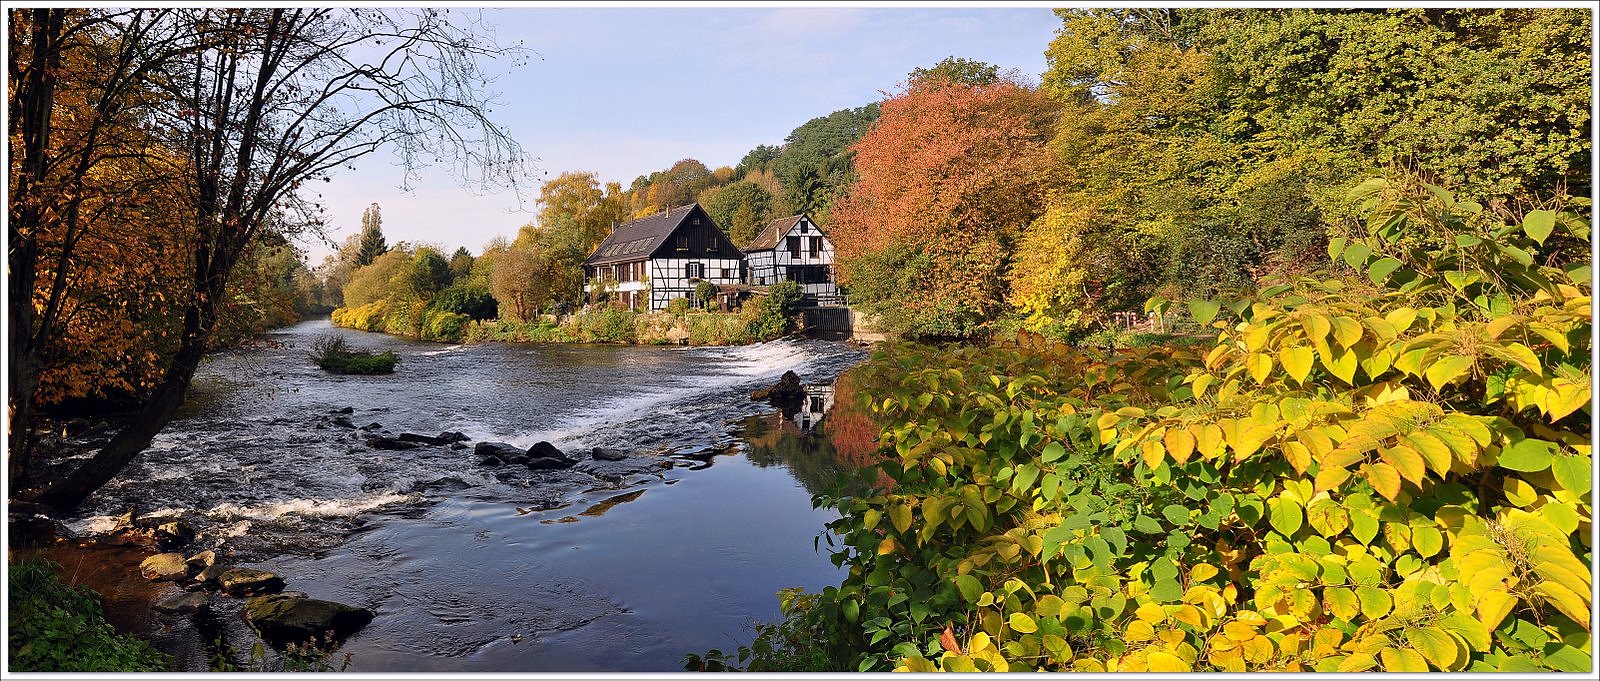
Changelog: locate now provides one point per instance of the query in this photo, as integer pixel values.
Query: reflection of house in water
(817, 402)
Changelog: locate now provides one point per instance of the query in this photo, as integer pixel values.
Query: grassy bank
(760, 319)
(55, 627)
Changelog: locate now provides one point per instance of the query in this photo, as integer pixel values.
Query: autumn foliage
(949, 176)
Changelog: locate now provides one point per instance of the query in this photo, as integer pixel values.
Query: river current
(609, 566)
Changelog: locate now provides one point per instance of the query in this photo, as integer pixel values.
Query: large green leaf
(1286, 515)
(1538, 224)
(1204, 311)
(1381, 269)
(1528, 455)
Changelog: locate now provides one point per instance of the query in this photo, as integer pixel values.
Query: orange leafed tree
(949, 176)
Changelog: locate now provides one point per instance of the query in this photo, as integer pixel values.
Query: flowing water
(609, 566)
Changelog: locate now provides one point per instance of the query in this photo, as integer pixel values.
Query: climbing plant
(1383, 467)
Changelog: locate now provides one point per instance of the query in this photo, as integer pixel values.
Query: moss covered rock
(286, 619)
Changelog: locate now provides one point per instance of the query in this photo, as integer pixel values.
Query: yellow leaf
(1022, 623)
(1566, 397)
(1189, 615)
(900, 515)
(1297, 362)
(1342, 365)
(1260, 366)
(1139, 631)
(1401, 318)
(1405, 460)
(1346, 331)
(1298, 455)
(1180, 444)
(1433, 450)
(1152, 613)
(1238, 631)
(1384, 478)
(1202, 572)
(1493, 606)
(1208, 439)
(1166, 662)
(1565, 601)
(1446, 370)
(1152, 452)
(1402, 660)
(886, 546)
(1434, 644)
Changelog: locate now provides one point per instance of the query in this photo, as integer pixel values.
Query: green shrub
(368, 317)
(333, 354)
(772, 316)
(509, 331)
(54, 627)
(678, 306)
(444, 326)
(706, 293)
(467, 298)
(606, 325)
(796, 643)
(1382, 467)
(718, 328)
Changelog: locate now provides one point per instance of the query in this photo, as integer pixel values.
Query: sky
(624, 92)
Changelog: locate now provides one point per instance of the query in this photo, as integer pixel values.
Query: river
(609, 566)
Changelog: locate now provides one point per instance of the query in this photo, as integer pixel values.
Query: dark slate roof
(637, 239)
(769, 236)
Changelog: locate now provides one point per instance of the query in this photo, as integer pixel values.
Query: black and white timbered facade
(794, 249)
(648, 262)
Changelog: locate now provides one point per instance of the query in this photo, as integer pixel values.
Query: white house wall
(669, 277)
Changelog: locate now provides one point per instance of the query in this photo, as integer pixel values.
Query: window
(696, 270)
(712, 245)
(805, 227)
(697, 221)
(793, 243)
(816, 246)
(683, 242)
(727, 273)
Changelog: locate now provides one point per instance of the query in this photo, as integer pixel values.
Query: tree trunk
(30, 111)
(157, 411)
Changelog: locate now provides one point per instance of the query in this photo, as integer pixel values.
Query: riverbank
(605, 566)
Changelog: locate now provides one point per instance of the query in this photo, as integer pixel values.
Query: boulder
(545, 450)
(164, 567)
(245, 581)
(457, 445)
(787, 392)
(451, 436)
(175, 534)
(29, 530)
(344, 422)
(285, 619)
(603, 454)
(202, 560)
(181, 603)
(384, 442)
(490, 461)
(209, 574)
(125, 522)
(424, 439)
(498, 449)
(545, 463)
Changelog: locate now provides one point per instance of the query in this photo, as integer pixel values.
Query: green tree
(372, 243)
(460, 263)
(741, 208)
(429, 274)
(954, 69)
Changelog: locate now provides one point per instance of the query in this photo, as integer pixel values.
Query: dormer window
(712, 245)
(683, 242)
(805, 227)
(697, 221)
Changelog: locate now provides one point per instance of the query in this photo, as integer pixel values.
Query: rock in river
(499, 450)
(603, 454)
(180, 603)
(164, 566)
(545, 456)
(285, 619)
(245, 581)
(382, 442)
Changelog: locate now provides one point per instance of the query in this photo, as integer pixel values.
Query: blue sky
(627, 91)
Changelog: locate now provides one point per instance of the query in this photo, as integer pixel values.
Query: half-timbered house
(648, 262)
(794, 249)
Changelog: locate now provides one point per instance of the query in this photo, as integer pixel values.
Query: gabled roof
(774, 231)
(637, 239)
